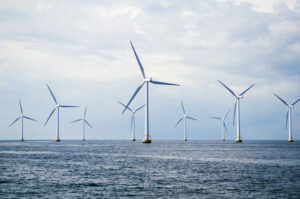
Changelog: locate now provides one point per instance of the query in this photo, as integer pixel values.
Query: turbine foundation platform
(83, 139)
(21, 140)
(223, 140)
(185, 139)
(290, 140)
(146, 141)
(57, 140)
(133, 139)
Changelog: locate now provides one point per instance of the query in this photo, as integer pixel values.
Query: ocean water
(163, 169)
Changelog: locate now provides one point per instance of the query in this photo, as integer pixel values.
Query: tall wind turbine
(223, 124)
(237, 109)
(133, 111)
(57, 107)
(185, 116)
(22, 119)
(288, 116)
(145, 81)
(83, 124)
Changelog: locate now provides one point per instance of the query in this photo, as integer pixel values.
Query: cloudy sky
(82, 51)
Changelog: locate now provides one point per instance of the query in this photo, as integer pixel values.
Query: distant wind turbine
(133, 111)
(237, 109)
(83, 124)
(22, 119)
(223, 124)
(185, 116)
(57, 108)
(288, 116)
(145, 81)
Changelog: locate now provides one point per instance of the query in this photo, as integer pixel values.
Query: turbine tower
(57, 107)
(185, 116)
(223, 124)
(288, 116)
(83, 124)
(133, 111)
(237, 109)
(145, 81)
(22, 119)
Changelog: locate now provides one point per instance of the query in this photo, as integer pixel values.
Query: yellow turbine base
(290, 140)
(133, 139)
(57, 139)
(238, 140)
(22, 140)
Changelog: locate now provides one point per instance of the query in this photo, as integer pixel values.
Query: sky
(81, 49)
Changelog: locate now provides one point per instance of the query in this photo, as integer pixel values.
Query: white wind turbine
(57, 107)
(83, 124)
(22, 119)
(185, 116)
(223, 124)
(145, 81)
(288, 116)
(237, 109)
(133, 111)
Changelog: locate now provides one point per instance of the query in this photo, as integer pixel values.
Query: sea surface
(163, 169)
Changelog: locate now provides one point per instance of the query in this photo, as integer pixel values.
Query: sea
(162, 169)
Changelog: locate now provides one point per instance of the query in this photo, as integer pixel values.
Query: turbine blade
(228, 89)
(178, 122)
(14, 121)
(85, 111)
(50, 115)
(281, 100)
(52, 94)
(67, 106)
(182, 107)
(88, 124)
(125, 106)
(134, 94)
(295, 102)
(29, 118)
(21, 107)
(217, 118)
(191, 118)
(140, 108)
(234, 112)
(247, 90)
(286, 119)
(163, 83)
(76, 121)
(138, 60)
(225, 127)
(226, 114)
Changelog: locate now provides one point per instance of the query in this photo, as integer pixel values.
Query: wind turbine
(57, 107)
(223, 124)
(83, 124)
(145, 81)
(133, 111)
(22, 119)
(185, 116)
(237, 109)
(288, 116)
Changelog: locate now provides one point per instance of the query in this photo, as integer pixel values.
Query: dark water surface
(163, 169)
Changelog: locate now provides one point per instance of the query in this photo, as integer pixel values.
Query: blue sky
(82, 51)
